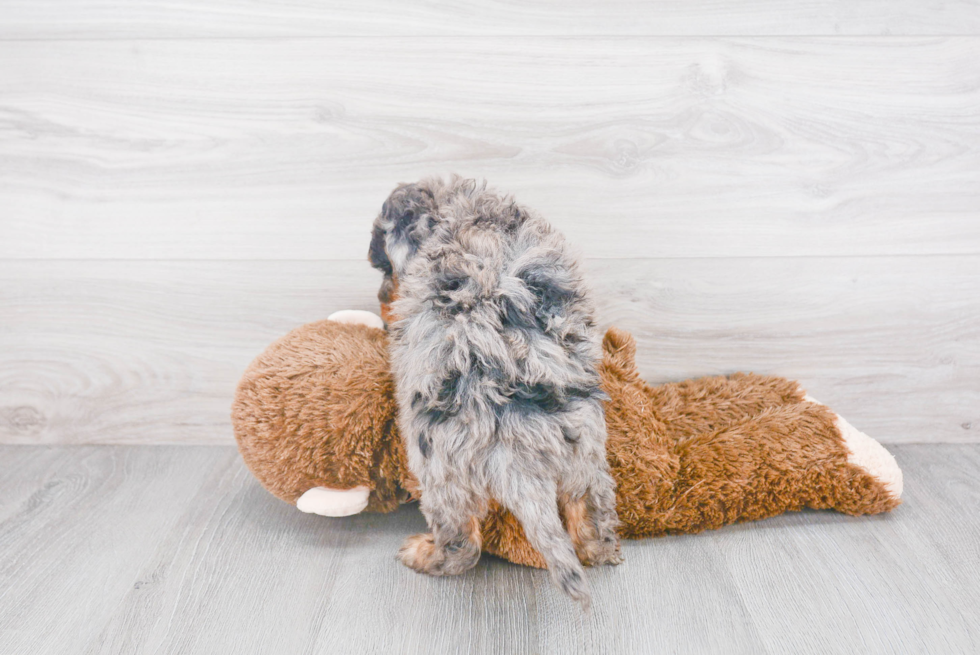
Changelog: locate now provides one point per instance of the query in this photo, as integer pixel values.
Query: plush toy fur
(314, 417)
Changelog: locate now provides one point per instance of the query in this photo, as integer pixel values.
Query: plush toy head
(316, 411)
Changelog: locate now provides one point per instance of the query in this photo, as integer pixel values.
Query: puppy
(494, 354)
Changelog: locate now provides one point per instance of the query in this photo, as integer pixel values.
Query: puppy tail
(537, 510)
(570, 578)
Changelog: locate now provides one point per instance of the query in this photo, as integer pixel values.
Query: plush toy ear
(619, 348)
(357, 317)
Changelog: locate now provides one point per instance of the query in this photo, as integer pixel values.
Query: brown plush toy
(314, 417)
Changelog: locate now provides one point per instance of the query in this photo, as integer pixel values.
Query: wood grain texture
(150, 352)
(923, 556)
(27, 19)
(285, 148)
(76, 545)
(145, 550)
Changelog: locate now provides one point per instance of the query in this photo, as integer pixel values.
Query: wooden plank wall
(779, 186)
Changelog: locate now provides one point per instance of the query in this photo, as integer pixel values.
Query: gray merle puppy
(494, 355)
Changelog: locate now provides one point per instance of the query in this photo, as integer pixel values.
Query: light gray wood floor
(177, 549)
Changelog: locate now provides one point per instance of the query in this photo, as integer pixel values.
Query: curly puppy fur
(495, 357)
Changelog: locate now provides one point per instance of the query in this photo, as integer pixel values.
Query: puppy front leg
(455, 542)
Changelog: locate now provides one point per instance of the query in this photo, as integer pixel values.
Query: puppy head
(406, 219)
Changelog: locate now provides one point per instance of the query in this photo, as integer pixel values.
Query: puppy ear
(376, 252)
(407, 218)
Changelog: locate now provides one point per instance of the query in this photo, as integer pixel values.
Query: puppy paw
(609, 553)
(419, 553)
(600, 552)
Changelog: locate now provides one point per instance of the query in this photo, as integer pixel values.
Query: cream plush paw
(357, 317)
(333, 502)
(867, 453)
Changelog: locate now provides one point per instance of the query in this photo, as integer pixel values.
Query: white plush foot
(870, 455)
(357, 317)
(333, 502)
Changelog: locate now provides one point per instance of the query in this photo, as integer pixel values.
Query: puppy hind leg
(455, 542)
(580, 528)
(588, 490)
(599, 543)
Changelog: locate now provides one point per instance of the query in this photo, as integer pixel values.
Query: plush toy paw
(333, 502)
(867, 453)
(357, 317)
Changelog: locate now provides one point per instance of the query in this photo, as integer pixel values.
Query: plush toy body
(314, 417)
